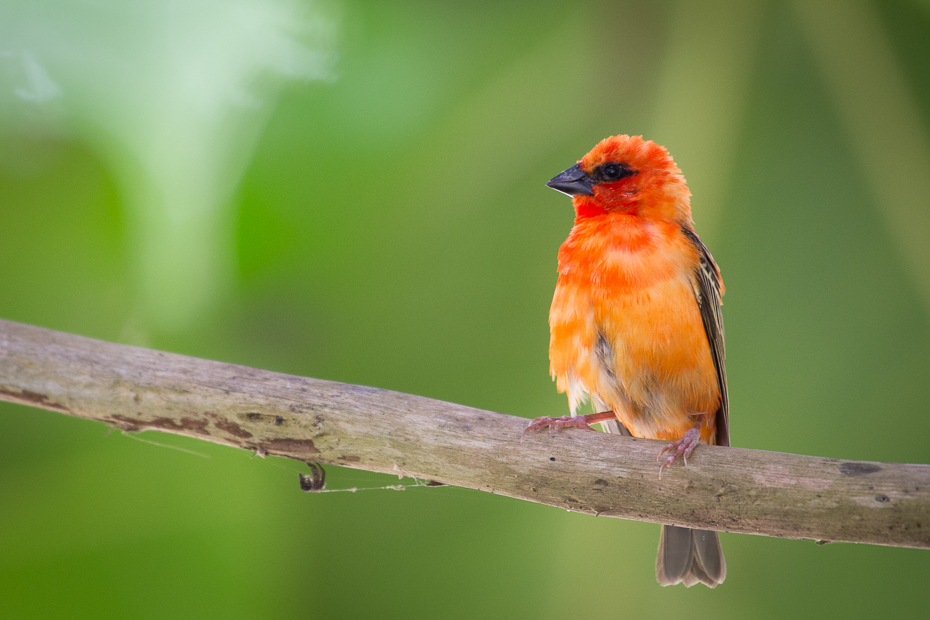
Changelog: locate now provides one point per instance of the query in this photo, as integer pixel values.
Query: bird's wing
(708, 289)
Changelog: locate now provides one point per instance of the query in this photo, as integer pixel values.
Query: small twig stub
(315, 481)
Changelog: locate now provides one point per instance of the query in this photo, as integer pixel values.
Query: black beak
(573, 182)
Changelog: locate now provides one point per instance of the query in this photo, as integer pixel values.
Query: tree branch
(726, 489)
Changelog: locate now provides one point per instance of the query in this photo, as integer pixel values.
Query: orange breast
(626, 328)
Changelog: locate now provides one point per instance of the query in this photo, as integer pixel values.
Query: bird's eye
(613, 172)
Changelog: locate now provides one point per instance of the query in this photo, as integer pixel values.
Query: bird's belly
(644, 353)
(663, 373)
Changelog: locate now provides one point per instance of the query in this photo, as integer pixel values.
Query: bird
(636, 324)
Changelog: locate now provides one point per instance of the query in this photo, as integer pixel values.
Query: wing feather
(708, 292)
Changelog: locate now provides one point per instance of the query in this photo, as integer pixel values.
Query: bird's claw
(566, 421)
(683, 448)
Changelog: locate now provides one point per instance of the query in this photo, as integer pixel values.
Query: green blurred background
(355, 191)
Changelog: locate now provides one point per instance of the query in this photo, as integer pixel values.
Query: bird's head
(629, 175)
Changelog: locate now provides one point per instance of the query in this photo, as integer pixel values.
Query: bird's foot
(683, 447)
(567, 421)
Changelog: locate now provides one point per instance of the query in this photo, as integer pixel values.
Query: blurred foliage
(388, 225)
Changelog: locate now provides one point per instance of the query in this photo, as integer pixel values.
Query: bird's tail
(689, 556)
(685, 555)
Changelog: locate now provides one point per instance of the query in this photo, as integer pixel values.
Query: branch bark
(725, 489)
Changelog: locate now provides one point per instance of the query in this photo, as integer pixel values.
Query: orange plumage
(635, 320)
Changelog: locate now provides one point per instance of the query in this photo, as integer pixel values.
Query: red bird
(635, 322)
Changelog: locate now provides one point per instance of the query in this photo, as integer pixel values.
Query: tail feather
(685, 556)
(690, 556)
